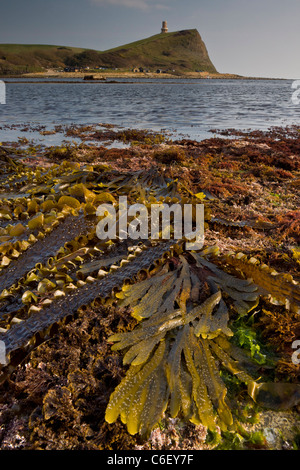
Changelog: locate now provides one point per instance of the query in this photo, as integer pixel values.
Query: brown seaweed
(183, 305)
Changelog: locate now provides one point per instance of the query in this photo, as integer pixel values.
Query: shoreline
(153, 76)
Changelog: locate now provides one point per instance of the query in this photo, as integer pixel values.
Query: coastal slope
(26, 58)
(179, 51)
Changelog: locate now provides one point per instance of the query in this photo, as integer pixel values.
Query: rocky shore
(56, 396)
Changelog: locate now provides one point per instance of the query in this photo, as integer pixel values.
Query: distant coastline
(179, 55)
(103, 77)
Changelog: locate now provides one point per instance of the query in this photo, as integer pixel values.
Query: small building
(164, 28)
(71, 69)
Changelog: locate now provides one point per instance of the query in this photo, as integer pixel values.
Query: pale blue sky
(247, 37)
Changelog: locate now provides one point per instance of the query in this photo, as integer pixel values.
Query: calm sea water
(185, 108)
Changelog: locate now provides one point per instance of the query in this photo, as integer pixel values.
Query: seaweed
(179, 349)
(173, 356)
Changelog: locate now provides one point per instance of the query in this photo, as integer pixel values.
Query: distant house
(71, 69)
(140, 70)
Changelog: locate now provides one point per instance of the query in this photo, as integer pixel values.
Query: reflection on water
(186, 108)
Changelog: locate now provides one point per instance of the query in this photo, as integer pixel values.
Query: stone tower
(164, 28)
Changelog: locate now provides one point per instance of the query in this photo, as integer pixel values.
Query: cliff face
(180, 51)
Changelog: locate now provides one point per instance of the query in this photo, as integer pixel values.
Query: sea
(193, 109)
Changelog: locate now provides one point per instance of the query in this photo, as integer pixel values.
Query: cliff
(181, 50)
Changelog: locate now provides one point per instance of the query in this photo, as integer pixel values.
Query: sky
(258, 38)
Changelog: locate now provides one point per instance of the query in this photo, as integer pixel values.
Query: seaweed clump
(62, 395)
(170, 155)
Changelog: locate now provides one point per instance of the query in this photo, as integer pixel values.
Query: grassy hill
(22, 58)
(180, 51)
(183, 50)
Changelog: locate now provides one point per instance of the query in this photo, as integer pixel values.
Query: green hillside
(180, 51)
(183, 50)
(20, 58)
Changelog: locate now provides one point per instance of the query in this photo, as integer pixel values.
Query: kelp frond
(278, 287)
(171, 317)
(184, 315)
